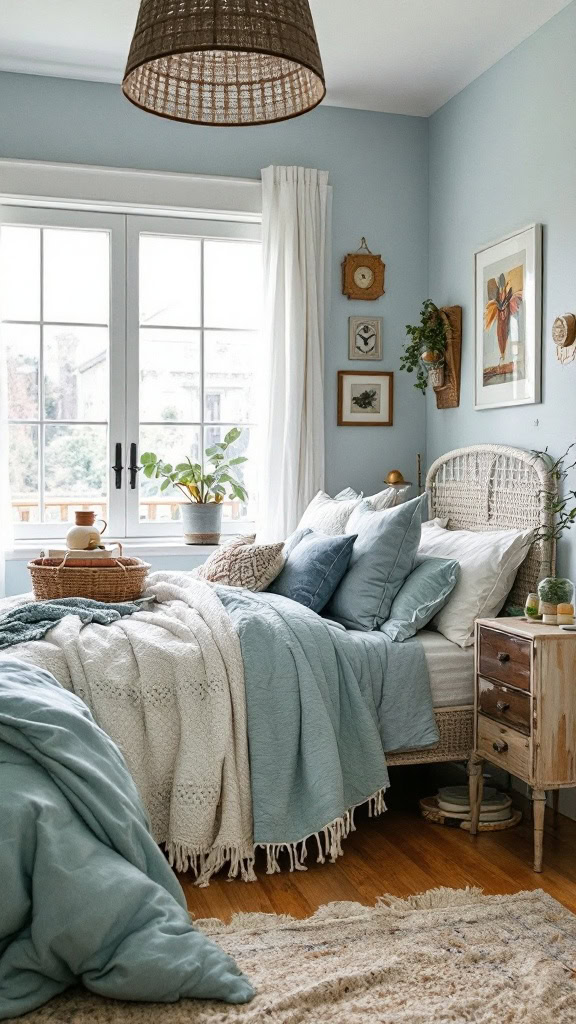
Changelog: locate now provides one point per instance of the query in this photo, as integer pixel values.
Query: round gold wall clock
(363, 274)
(564, 330)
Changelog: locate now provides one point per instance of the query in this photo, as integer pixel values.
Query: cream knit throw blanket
(167, 684)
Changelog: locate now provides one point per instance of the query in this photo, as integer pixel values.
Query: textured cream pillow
(242, 563)
(489, 561)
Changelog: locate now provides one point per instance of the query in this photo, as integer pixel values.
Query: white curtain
(6, 529)
(295, 226)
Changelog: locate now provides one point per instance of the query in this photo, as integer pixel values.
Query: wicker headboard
(490, 487)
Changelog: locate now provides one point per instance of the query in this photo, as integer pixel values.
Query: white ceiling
(400, 56)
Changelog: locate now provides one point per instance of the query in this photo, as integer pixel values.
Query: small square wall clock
(363, 274)
(365, 337)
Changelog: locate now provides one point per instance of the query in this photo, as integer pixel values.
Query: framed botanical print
(508, 282)
(365, 399)
(365, 337)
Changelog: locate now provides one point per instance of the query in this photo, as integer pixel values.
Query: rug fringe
(434, 899)
(206, 863)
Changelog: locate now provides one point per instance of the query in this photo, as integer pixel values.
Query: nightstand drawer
(504, 746)
(505, 657)
(511, 707)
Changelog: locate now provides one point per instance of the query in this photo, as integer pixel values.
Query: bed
(248, 721)
(481, 487)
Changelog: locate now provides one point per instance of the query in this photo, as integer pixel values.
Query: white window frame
(188, 228)
(214, 206)
(115, 226)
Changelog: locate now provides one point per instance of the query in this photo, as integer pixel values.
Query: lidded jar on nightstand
(556, 600)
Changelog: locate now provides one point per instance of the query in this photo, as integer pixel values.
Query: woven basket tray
(122, 582)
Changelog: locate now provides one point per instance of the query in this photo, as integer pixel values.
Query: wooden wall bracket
(448, 396)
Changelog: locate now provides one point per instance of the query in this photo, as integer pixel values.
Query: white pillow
(488, 561)
(328, 515)
(387, 498)
(435, 522)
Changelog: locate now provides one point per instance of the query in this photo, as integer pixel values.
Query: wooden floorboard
(400, 853)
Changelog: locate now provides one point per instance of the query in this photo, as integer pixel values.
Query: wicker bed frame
(485, 487)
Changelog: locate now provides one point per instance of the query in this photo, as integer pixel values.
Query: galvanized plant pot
(201, 522)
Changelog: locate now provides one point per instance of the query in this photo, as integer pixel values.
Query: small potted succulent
(556, 594)
(203, 488)
(426, 352)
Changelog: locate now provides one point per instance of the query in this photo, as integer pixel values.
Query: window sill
(135, 547)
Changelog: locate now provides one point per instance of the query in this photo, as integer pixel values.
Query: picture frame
(365, 398)
(508, 320)
(365, 337)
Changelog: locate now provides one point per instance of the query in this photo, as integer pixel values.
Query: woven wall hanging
(225, 62)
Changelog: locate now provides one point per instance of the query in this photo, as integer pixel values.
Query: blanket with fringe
(167, 684)
(323, 704)
(184, 687)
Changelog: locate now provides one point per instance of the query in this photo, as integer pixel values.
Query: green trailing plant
(428, 336)
(201, 484)
(560, 503)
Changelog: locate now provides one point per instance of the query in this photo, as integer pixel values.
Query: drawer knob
(500, 746)
(502, 656)
(502, 705)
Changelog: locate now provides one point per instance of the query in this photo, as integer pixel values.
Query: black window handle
(118, 467)
(134, 467)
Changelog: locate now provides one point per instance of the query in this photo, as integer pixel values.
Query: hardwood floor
(401, 854)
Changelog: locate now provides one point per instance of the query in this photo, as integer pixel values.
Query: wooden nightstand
(525, 711)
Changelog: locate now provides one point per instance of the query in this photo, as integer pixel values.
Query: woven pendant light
(225, 62)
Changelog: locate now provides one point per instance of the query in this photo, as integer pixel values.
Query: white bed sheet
(451, 670)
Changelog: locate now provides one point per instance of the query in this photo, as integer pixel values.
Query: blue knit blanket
(32, 621)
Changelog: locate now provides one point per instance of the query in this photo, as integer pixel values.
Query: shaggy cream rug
(445, 957)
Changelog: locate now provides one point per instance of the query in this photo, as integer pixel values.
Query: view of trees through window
(198, 359)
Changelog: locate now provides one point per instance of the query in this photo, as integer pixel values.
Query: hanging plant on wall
(426, 352)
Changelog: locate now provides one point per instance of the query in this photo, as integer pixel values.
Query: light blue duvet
(85, 892)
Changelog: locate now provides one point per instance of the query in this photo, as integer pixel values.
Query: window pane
(75, 470)
(76, 373)
(230, 375)
(169, 375)
(246, 473)
(169, 280)
(172, 444)
(20, 273)
(232, 284)
(23, 455)
(21, 349)
(76, 276)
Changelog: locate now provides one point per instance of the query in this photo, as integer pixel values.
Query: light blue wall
(503, 155)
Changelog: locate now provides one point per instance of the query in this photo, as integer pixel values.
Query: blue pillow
(383, 555)
(424, 593)
(314, 566)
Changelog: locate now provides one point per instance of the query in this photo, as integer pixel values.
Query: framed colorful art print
(508, 282)
(365, 398)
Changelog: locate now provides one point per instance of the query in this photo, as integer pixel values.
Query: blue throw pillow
(424, 593)
(383, 555)
(314, 566)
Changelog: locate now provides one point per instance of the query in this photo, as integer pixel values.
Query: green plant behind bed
(560, 504)
(199, 485)
(429, 336)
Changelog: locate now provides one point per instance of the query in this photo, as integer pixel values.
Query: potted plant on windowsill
(204, 489)
(426, 352)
